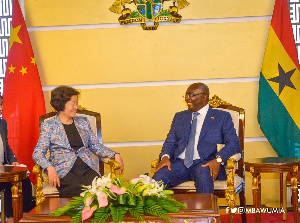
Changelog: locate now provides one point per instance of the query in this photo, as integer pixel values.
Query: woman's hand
(119, 159)
(15, 163)
(53, 177)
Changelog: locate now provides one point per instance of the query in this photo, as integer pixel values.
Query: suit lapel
(81, 129)
(3, 140)
(187, 124)
(60, 131)
(207, 124)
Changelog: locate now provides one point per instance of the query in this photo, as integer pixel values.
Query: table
(273, 165)
(199, 208)
(14, 175)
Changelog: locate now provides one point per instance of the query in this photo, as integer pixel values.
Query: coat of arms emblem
(148, 10)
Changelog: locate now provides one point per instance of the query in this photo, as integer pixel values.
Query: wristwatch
(219, 159)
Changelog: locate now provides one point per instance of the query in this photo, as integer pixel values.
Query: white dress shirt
(200, 119)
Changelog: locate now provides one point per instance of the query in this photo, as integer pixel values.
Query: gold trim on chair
(40, 196)
(216, 101)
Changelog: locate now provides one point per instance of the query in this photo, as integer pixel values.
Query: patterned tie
(189, 151)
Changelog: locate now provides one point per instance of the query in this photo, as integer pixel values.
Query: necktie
(189, 151)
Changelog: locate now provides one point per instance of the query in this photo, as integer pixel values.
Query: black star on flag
(284, 79)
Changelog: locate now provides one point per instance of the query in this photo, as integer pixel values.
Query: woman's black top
(81, 173)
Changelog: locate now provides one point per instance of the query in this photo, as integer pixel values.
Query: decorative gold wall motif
(148, 10)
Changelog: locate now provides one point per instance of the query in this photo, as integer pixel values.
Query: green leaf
(117, 213)
(122, 199)
(75, 203)
(139, 207)
(131, 199)
(101, 215)
(136, 214)
(77, 217)
(158, 213)
(111, 195)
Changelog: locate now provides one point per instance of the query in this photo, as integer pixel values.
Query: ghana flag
(279, 86)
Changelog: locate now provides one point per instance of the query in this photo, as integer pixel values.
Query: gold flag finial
(182, 3)
(116, 7)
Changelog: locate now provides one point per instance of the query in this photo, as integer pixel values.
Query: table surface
(197, 205)
(274, 160)
(7, 173)
(273, 165)
(14, 174)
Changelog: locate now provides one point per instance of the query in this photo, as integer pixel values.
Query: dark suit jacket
(9, 157)
(217, 129)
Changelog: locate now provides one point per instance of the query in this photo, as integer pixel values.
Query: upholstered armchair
(43, 188)
(235, 183)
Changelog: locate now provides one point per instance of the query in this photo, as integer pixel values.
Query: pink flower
(88, 199)
(135, 180)
(117, 190)
(102, 200)
(87, 212)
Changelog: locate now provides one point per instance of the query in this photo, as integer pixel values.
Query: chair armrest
(37, 169)
(236, 157)
(114, 166)
(154, 163)
(230, 169)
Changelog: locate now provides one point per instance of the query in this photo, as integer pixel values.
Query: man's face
(195, 98)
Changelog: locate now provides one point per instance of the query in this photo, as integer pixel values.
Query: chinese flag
(22, 93)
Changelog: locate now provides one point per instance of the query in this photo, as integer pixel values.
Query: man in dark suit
(190, 151)
(7, 157)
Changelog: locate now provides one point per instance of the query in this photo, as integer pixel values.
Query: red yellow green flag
(279, 86)
(22, 93)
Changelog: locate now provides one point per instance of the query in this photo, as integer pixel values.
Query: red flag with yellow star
(22, 93)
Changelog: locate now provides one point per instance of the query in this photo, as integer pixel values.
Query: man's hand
(53, 177)
(15, 163)
(119, 159)
(214, 168)
(164, 162)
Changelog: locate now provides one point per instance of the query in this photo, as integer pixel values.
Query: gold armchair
(235, 183)
(43, 188)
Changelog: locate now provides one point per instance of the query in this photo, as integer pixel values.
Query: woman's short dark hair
(60, 96)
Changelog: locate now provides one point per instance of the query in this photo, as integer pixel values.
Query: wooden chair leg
(231, 217)
(283, 195)
(243, 204)
(2, 206)
(294, 184)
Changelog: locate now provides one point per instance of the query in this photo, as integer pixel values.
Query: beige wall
(136, 78)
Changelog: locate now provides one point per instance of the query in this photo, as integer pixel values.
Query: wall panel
(132, 55)
(146, 113)
(75, 12)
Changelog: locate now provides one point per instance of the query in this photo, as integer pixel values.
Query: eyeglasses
(191, 96)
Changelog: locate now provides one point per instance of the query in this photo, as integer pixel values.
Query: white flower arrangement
(107, 197)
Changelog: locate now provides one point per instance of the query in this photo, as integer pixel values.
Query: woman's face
(71, 107)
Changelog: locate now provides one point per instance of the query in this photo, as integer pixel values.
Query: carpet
(265, 218)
